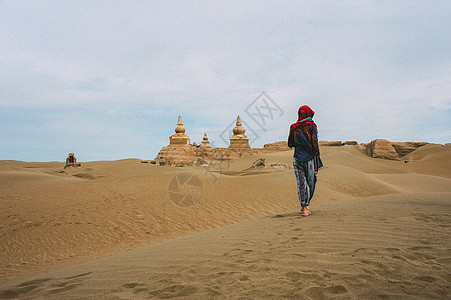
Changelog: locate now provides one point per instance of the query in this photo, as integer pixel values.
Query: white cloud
(366, 68)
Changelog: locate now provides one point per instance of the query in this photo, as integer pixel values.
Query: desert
(170, 149)
(111, 229)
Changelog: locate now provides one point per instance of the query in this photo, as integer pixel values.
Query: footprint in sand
(39, 288)
(317, 292)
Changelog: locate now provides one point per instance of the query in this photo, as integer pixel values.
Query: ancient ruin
(381, 148)
(404, 148)
(180, 152)
(71, 161)
(239, 140)
(205, 142)
(330, 143)
(277, 146)
(179, 138)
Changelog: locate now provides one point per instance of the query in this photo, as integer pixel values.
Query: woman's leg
(303, 188)
(311, 178)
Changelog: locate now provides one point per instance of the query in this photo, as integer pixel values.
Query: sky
(107, 80)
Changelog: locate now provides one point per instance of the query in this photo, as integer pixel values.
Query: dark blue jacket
(303, 149)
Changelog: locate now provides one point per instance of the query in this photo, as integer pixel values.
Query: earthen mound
(381, 148)
(327, 143)
(404, 148)
(277, 146)
(176, 156)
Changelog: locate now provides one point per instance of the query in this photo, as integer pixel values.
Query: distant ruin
(205, 142)
(239, 140)
(71, 161)
(179, 138)
(180, 152)
(381, 148)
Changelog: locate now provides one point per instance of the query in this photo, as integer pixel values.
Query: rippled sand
(110, 230)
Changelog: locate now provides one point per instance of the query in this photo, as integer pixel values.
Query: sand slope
(367, 253)
(50, 220)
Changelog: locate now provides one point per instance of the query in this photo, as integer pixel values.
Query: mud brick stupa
(239, 140)
(180, 152)
(179, 138)
(205, 142)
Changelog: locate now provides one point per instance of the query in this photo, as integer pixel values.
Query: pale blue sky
(108, 79)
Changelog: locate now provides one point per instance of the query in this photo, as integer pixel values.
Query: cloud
(129, 69)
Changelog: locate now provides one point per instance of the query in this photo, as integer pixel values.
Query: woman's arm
(291, 142)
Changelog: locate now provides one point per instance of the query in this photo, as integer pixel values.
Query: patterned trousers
(306, 177)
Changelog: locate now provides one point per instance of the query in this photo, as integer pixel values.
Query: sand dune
(355, 157)
(366, 253)
(379, 229)
(430, 159)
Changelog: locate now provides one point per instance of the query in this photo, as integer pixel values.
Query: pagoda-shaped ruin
(179, 138)
(239, 140)
(205, 142)
(180, 152)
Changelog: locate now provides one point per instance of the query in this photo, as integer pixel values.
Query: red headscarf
(305, 115)
(307, 125)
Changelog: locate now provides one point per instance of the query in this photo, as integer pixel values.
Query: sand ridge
(50, 220)
(365, 254)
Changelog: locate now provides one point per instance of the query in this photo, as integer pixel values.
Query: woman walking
(304, 138)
